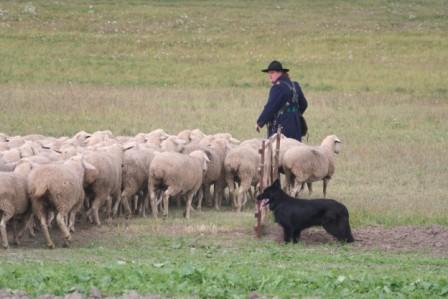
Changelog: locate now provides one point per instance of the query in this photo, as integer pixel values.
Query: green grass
(345, 46)
(216, 256)
(374, 73)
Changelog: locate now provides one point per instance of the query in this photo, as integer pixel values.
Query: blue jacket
(279, 94)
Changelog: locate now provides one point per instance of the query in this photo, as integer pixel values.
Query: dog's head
(269, 194)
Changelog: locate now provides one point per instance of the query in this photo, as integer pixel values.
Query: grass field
(375, 73)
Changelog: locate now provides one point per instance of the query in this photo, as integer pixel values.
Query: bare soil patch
(431, 239)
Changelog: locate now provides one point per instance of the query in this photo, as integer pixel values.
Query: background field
(374, 73)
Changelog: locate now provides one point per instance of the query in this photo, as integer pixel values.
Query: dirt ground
(432, 239)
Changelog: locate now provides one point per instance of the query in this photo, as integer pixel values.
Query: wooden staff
(261, 186)
(272, 175)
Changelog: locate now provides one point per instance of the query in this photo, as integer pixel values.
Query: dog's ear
(276, 184)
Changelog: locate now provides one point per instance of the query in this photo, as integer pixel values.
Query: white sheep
(307, 164)
(136, 164)
(172, 144)
(241, 170)
(108, 161)
(58, 187)
(174, 174)
(13, 202)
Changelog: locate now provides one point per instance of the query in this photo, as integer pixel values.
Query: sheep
(5, 166)
(215, 174)
(307, 164)
(11, 156)
(155, 137)
(241, 170)
(136, 163)
(13, 202)
(15, 141)
(58, 187)
(172, 144)
(108, 161)
(175, 174)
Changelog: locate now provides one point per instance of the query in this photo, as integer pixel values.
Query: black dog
(294, 214)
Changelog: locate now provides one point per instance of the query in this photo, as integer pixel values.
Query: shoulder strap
(295, 96)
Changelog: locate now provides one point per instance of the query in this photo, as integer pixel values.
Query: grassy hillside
(392, 46)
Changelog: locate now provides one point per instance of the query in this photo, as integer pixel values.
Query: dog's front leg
(287, 234)
(296, 236)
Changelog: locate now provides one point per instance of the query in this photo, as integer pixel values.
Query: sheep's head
(173, 144)
(332, 143)
(337, 145)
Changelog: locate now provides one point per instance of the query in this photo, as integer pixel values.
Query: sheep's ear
(129, 145)
(337, 140)
(88, 166)
(234, 141)
(205, 162)
(180, 141)
(91, 172)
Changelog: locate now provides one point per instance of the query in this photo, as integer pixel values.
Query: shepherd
(285, 106)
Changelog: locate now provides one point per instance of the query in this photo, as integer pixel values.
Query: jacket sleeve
(303, 103)
(275, 102)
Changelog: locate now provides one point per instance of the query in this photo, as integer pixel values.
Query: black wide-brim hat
(275, 66)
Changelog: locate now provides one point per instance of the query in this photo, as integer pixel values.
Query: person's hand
(257, 127)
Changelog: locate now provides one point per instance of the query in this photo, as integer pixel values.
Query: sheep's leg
(153, 201)
(218, 194)
(251, 194)
(110, 199)
(207, 195)
(28, 222)
(64, 229)
(325, 187)
(94, 209)
(288, 181)
(244, 187)
(296, 188)
(200, 196)
(203, 193)
(50, 218)
(72, 215)
(188, 205)
(310, 188)
(43, 224)
(71, 221)
(117, 204)
(235, 195)
(3, 223)
(165, 202)
(144, 203)
(124, 199)
(39, 211)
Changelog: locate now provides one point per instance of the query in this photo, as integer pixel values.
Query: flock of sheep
(46, 179)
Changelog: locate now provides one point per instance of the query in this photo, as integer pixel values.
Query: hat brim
(277, 70)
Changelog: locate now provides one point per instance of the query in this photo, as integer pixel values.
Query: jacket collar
(281, 78)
